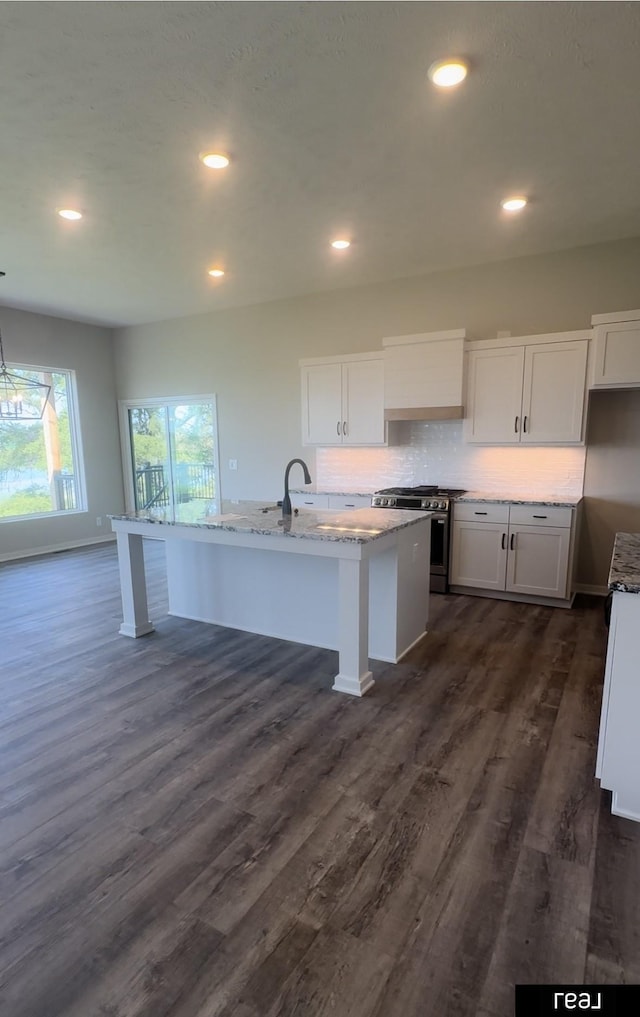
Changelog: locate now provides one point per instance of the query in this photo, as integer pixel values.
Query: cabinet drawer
(481, 512)
(540, 515)
(316, 501)
(353, 501)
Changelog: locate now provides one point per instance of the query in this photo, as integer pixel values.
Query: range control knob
(433, 504)
(391, 502)
(424, 503)
(442, 505)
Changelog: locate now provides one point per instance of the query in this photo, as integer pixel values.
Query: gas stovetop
(424, 497)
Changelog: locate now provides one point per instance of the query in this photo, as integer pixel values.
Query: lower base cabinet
(512, 549)
(333, 502)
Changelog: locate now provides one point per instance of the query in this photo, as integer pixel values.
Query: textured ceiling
(333, 128)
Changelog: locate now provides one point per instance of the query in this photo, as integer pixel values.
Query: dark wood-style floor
(193, 824)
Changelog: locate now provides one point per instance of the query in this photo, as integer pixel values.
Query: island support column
(133, 585)
(354, 676)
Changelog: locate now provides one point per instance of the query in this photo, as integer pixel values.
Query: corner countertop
(624, 574)
(504, 498)
(359, 526)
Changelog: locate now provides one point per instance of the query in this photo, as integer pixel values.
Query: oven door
(439, 551)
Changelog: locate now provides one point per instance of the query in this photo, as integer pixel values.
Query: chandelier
(20, 398)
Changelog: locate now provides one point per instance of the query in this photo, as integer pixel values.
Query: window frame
(124, 405)
(75, 434)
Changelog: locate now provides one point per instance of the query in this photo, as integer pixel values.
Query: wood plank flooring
(193, 824)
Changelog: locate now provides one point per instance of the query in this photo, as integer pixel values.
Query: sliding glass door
(171, 455)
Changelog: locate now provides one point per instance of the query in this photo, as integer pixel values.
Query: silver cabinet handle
(344, 427)
(512, 541)
(503, 541)
(516, 425)
(338, 428)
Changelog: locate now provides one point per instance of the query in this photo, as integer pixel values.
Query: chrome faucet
(286, 501)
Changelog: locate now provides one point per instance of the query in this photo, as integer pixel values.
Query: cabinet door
(310, 501)
(617, 355)
(322, 404)
(363, 402)
(478, 555)
(495, 395)
(538, 560)
(554, 392)
(349, 501)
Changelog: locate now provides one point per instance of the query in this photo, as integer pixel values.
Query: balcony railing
(191, 481)
(64, 491)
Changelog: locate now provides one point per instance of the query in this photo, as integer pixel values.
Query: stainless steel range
(427, 499)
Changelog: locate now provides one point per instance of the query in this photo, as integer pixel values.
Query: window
(39, 459)
(170, 448)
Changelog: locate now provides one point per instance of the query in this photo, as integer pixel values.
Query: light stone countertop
(359, 526)
(504, 498)
(315, 489)
(624, 574)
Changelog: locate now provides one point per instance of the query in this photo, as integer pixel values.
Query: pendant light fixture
(20, 398)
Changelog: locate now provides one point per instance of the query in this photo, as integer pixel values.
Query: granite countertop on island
(504, 498)
(624, 574)
(360, 526)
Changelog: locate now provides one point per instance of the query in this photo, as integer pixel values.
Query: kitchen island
(356, 581)
(618, 762)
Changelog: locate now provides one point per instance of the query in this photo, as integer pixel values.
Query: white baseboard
(591, 591)
(68, 545)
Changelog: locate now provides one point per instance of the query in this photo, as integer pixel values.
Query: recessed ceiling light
(447, 73)
(69, 213)
(514, 204)
(340, 245)
(216, 273)
(215, 160)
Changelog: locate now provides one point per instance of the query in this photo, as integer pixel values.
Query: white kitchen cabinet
(343, 400)
(527, 392)
(616, 360)
(310, 501)
(478, 555)
(518, 550)
(338, 502)
(537, 560)
(423, 376)
(495, 396)
(330, 502)
(618, 762)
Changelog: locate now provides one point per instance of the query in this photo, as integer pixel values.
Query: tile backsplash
(434, 452)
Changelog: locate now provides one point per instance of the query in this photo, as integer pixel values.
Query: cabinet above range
(423, 376)
(529, 390)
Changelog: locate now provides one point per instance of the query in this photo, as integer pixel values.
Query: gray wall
(88, 350)
(249, 356)
(611, 480)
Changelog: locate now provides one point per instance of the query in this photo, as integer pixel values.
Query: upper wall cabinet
(343, 400)
(529, 390)
(423, 376)
(616, 360)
